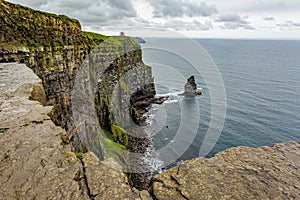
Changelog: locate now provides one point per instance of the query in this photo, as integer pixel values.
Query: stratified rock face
(55, 48)
(34, 162)
(52, 46)
(236, 173)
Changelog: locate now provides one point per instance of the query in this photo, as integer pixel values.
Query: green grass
(108, 134)
(120, 134)
(113, 149)
(94, 36)
(65, 18)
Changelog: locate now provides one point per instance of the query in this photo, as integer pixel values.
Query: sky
(244, 19)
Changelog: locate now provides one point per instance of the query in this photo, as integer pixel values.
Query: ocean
(261, 80)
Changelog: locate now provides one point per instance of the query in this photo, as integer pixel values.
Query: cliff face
(52, 46)
(102, 90)
(56, 49)
(36, 157)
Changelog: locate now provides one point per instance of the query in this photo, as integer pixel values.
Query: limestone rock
(34, 162)
(105, 182)
(144, 195)
(236, 173)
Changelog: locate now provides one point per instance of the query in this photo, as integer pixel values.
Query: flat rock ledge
(35, 164)
(236, 173)
(36, 158)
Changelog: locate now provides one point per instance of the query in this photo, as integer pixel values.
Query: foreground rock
(105, 182)
(34, 162)
(236, 173)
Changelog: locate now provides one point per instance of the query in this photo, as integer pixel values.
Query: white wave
(171, 101)
(151, 159)
(169, 94)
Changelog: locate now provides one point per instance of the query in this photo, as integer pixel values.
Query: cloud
(234, 21)
(269, 18)
(36, 4)
(188, 26)
(87, 11)
(234, 26)
(289, 24)
(293, 23)
(231, 18)
(179, 8)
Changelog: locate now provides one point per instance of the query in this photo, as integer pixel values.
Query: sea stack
(190, 88)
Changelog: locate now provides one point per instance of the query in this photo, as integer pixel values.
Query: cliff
(85, 82)
(36, 157)
(52, 46)
(62, 56)
(88, 78)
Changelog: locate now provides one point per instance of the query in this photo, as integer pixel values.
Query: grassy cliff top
(23, 26)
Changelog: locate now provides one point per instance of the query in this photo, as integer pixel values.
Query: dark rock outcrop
(140, 102)
(190, 88)
(236, 173)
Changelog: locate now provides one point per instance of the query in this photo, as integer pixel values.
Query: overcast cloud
(209, 18)
(179, 8)
(269, 18)
(234, 21)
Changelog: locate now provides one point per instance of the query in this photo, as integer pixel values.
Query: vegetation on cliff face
(54, 46)
(23, 26)
(36, 28)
